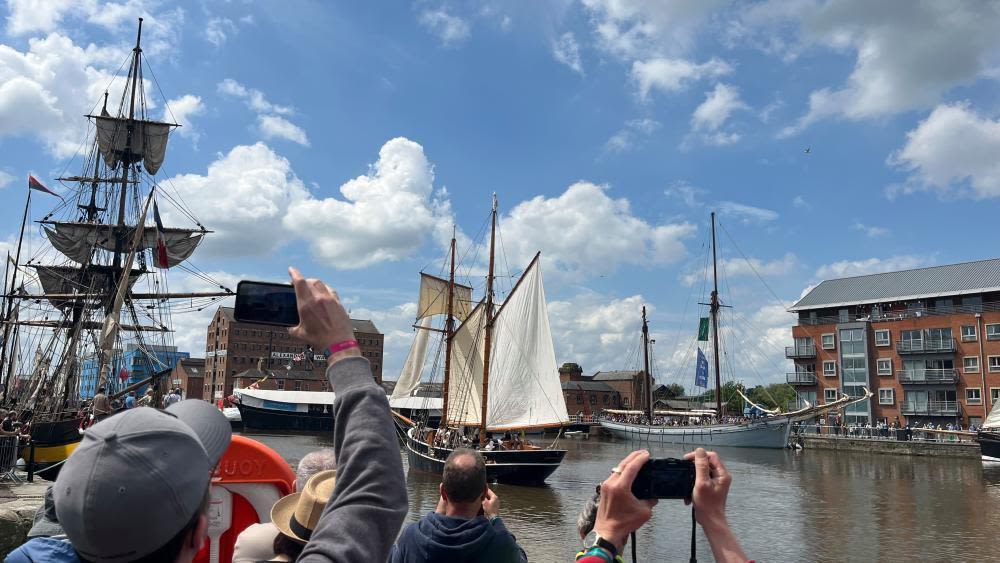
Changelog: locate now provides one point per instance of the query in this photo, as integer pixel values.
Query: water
(811, 505)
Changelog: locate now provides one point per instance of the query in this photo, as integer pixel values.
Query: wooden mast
(449, 332)
(647, 376)
(10, 302)
(488, 339)
(127, 160)
(715, 323)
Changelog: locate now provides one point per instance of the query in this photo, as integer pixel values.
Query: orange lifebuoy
(249, 479)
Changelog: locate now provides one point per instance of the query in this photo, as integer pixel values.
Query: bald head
(464, 477)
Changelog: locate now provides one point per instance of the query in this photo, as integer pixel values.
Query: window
(968, 333)
(973, 304)
(912, 340)
(829, 369)
(593, 399)
(605, 399)
(281, 385)
(803, 345)
(973, 396)
(829, 341)
(298, 385)
(992, 332)
(994, 394)
(970, 364)
(829, 395)
(886, 396)
(579, 399)
(994, 363)
(884, 366)
(882, 338)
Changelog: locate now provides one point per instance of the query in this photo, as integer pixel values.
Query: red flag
(123, 374)
(161, 246)
(34, 184)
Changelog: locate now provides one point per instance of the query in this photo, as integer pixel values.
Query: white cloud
(850, 268)
(673, 75)
(738, 267)
(637, 28)
(594, 330)
(686, 193)
(584, 232)
(5, 179)
(746, 213)
(253, 98)
(181, 110)
(630, 135)
(902, 63)
(244, 197)
(384, 215)
(800, 202)
(711, 115)
(869, 230)
(448, 28)
(218, 29)
(273, 126)
(396, 324)
(953, 151)
(567, 51)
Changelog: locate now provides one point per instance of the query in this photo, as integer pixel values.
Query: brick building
(233, 347)
(189, 376)
(590, 395)
(926, 342)
(282, 379)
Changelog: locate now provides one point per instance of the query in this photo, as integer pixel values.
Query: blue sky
(348, 137)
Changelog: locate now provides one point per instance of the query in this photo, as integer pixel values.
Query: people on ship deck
(466, 525)
(101, 405)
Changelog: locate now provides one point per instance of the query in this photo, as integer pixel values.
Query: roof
(922, 283)
(360, 325)
(193, 367)
(587, 386)
(619, 375)
(255, 374)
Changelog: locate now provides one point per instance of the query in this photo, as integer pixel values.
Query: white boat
(767, 433)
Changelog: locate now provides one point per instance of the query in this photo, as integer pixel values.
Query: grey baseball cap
(138, 477)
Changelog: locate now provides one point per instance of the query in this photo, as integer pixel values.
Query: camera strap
(694, 528)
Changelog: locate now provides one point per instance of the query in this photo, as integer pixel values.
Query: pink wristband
(339, 347)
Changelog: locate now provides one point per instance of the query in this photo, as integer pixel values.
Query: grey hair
(313, 463)
(585, 521)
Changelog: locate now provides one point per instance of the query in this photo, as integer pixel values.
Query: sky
(350, 138)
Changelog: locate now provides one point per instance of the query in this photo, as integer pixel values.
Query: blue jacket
(44, 549)
(436, 537)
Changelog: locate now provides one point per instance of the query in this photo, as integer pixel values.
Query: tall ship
(500, 379)
(94, 282)
(989, 435)
(710, 427)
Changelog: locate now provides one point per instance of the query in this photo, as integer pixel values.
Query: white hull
(764, 434)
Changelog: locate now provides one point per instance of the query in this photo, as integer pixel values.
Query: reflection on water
(811, 505)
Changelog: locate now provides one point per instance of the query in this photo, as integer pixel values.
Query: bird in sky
(808, 150)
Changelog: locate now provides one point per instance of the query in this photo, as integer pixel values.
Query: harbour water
(784, 506)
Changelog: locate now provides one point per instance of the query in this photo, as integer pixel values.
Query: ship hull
(517, 467)
(764, 434)
(989, 445)
(257, 418)
(54, 441)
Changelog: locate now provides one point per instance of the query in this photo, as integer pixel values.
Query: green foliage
(775, 395)
(673, 391)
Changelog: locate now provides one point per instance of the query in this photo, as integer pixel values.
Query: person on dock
(619, 512)
(256, 543)
(143, 469)
(147, 398)
(466, 525)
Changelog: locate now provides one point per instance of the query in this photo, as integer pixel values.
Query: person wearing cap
(297, 515)
(369, 501)
(136, 488)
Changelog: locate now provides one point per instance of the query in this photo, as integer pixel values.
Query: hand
(619, 512)
(491, 504)
(322, 319)
(711, 487)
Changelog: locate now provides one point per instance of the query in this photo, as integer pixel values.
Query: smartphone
(266, 303)
(664, 478)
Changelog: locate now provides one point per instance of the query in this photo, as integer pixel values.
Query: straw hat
(297, 514)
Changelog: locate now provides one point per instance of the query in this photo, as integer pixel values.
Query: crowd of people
(675, 420)
(137, 487)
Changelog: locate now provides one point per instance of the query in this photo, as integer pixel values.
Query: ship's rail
(887, 434)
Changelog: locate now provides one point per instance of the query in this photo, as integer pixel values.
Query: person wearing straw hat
(297, 515)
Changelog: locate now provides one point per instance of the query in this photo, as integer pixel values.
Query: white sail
(434, 298)
(465, 383)
(148, 142)
(993, 420)
(409, 378)
(524, 379)
(77, 240)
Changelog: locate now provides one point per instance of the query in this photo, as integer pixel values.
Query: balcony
(926, 346)
(931, 408)
(796, 352)
(927, 376)
(801, 378)
(795, 405)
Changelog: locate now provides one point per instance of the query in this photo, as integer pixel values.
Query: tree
(673, 391)
(774, 396)
(730, 396)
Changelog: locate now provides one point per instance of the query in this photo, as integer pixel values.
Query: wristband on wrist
(339, 347)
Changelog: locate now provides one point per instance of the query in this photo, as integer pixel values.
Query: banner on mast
(703, 329)
(701, 371)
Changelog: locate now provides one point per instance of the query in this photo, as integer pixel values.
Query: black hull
(255, 418)
(56, 432)
(989, 445)
(516, 467)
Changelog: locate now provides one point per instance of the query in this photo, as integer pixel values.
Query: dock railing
(890, 434)
(8, 458)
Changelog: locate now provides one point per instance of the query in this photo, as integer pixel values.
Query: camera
(666, 478)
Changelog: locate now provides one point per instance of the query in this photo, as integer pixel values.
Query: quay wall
(18, 504)
(918, 448)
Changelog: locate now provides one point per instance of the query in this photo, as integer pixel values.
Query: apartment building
(926, 342)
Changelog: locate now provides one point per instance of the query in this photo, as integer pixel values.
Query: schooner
(500, 373)
(96, 283)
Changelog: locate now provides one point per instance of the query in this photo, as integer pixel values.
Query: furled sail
(465, 383)
(434, 298)
(76, 240)
(148, 142)
(68, 279)
(409, 378)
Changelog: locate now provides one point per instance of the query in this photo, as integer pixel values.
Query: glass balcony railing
(931, 408)
(925, 346)
(927, 376)
(801, 378)
(808, 351)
